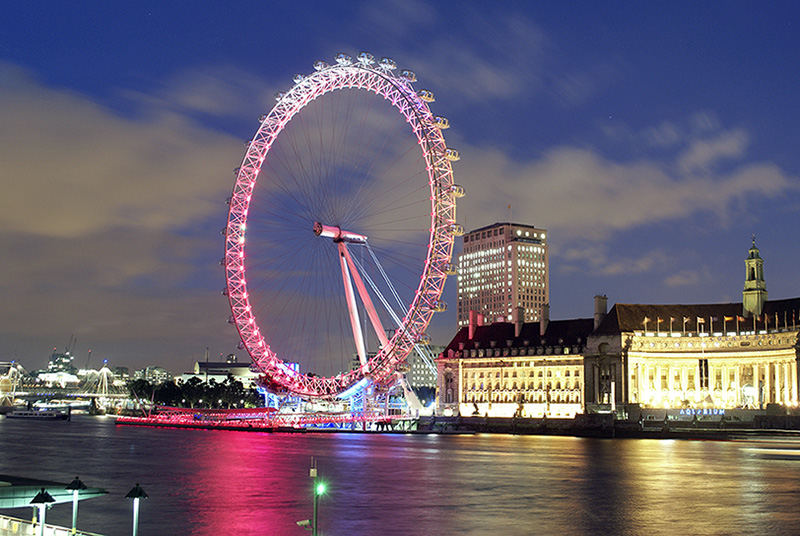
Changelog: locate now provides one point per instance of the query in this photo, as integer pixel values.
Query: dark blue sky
(651, 139)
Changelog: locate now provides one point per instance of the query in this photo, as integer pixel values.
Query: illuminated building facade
(721, 355)
(502, 267)
(419, 373)
(508, 369)
(704, 356)
(707, 355)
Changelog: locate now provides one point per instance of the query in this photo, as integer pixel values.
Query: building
(508, 369)
(61, 362)
(153, 374)
(705, 358)
(220, 370)
(420, 374)
(719, 355)
(502, 267)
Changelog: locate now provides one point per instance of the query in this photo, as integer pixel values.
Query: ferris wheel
(340, 229)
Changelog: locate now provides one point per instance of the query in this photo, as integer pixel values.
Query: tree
(141, 389)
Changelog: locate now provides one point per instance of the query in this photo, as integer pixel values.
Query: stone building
(507, 369)
(718, 355)
(696, 357)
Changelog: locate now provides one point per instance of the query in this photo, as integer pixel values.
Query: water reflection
(204, 482)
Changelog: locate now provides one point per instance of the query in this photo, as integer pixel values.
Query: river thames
(243, 483)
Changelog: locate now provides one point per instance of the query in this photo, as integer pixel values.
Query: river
(246, 483)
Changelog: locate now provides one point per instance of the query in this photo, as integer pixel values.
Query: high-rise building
(503, 267)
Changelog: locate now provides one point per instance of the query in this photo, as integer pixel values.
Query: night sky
(651, 139)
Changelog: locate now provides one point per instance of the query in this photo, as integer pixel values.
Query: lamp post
(76, 485)
(136, 493)
(41, 500)
(319, 489)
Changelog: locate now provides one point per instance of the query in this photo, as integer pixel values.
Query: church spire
(755, 288)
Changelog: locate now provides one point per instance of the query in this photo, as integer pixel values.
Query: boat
(39, 415)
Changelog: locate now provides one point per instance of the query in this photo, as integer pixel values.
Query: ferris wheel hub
(336, 233)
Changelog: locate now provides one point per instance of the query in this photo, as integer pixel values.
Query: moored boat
(41, 415)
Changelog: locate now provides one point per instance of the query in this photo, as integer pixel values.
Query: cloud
(702, 154)
(488, 58)
(578, 192)
(667, 134)
(108, 220)
(684, 278)
(213, 90)
(573, 257)
(73, 167)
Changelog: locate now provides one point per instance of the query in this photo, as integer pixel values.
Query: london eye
(340, 229)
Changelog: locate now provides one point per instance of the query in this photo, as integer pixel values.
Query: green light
(321, 487)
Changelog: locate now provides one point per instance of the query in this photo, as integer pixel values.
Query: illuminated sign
(702, 411)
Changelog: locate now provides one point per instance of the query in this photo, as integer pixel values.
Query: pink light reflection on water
(241, 481)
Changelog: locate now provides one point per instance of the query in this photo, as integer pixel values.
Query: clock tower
(755, 288)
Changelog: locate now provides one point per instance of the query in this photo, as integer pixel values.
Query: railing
(12, 526)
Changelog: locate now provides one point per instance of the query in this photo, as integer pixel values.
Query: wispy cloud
(75, 167)
(579, 192)
(96, 208)
(497, 58)
(211, 90)
(684, 278)
(704, 153)
(575, 257)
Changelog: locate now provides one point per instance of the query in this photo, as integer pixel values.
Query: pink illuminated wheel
(340, 229)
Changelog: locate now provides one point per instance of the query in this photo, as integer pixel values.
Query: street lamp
(76, 485)
(320, 487)
(41, 500)
(136, 493)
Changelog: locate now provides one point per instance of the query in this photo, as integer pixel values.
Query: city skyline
(650, 143)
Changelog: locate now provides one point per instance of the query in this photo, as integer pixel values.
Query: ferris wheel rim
(398, 91)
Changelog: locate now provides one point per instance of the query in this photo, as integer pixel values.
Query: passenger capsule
(457, 190)
(262, 117)
(441, 122)
(365, 58)
(388, 64)
(452, 155)
(279, 95)
(319, 65)
(343, 59)
(408, 75)
(231, 320)
(456, 229)
(426, 95)
(236, 171)
(298, 78)
(225, 291)
(450, 269)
